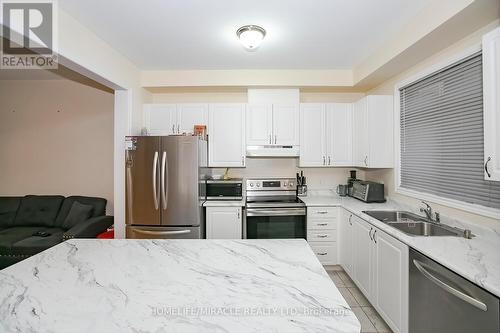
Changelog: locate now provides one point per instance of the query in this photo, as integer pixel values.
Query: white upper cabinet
(189, 115)
(339, 134)
(491, 96)
(373, 132)
(226, 144)
(273, 124)
(160, 119)
(325, 135)
(259, 124)
(286, 124)
(169, 119)
(312, 135)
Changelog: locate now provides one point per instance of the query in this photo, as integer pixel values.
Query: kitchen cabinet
(273, 124)
(322, 233)
(345, 240)
(379, 269)
(325, 135)
(160, 119)
(170, 119)
(224, 222)
(491, 97)
(373, 132)
(226, 144)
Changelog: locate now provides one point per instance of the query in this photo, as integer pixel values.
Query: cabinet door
(491, 88)
(346, 242)
(380, 131)
(160, 119)
(363, 265)
(259, 124)
(189, 115)
(360, 134)
(286, 124)
(223, 223)
(226, 145)
(339, 134)
(312, 135)
(391, 280)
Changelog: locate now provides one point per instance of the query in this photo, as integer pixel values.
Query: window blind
(442, 135)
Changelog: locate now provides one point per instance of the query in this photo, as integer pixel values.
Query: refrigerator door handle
(155, 189)
(164, 175)
(162, 233)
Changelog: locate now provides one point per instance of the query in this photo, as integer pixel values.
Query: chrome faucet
(428, 212)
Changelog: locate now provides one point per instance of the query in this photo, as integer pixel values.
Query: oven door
(275, 223)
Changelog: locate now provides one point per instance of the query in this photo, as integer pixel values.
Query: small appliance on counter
(350, 180)
(368, 191)
(301, 185)
(342, 190)
(224, 189)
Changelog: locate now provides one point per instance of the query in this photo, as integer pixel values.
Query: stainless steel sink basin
(413, 224)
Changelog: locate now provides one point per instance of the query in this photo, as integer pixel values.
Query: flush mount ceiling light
(251, 36)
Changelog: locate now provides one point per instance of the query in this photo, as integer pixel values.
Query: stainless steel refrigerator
(165, 181)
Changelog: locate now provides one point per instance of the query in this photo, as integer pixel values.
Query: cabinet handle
(275, 139)
(243, 160)
(173, 128)
(374, 233)
(350, 217)
(178, 128)
(321, 224)
(324, 160)
(270, 139)
(322, 253)
(370, 233)
(321, 236)
(238, 213)
(486, 166)
(366, 158)
(329, 160)
(322, 212)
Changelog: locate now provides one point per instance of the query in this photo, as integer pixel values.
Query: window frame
(468, 207)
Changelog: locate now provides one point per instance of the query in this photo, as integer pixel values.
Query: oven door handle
(276, 212)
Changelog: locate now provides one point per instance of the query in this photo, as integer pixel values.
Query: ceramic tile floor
(368, 317)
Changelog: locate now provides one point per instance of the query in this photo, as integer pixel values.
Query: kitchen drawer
(321, 224)
(326, 253)
(321, 235)
(322, 212)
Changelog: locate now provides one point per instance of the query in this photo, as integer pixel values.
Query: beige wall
(387, 176)
(56, 137)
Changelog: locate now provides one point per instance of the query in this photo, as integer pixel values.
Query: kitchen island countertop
(173, 285)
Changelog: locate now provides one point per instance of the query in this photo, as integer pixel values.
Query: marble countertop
(476, 259)
(91, 285)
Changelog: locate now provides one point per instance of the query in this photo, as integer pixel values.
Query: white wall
(56, 137)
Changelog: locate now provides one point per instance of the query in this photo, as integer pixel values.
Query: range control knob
(290, 184)
(251, 184)
(258, 184)
(285, 184)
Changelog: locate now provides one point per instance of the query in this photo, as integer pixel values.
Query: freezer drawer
(140, 232)
(442, 301)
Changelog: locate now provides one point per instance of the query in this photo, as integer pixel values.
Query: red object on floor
(107, 235)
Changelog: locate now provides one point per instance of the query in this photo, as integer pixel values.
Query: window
(441, 128)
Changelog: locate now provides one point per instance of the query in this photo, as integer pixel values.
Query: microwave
(368, 191)
(222, 189)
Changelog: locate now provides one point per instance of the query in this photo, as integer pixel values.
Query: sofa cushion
(8, 210)
(38, 210)
(77, 214)
(99, 205)
(13, 235)
(32, 245)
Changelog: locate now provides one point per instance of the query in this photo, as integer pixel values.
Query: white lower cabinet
(378, 264)
(322, 233)
(223, 222)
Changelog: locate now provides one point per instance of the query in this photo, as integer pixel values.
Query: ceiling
(200, 34)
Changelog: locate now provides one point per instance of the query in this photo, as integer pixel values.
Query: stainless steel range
(273, 209)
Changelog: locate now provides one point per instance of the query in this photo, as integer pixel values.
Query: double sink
(415, 225)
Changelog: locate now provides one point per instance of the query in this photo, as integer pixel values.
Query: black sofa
(31, 224)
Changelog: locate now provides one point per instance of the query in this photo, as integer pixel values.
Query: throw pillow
(78, 213)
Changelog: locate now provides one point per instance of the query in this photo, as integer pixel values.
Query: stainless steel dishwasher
(442, 301)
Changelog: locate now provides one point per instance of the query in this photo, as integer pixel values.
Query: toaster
(368, 191)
